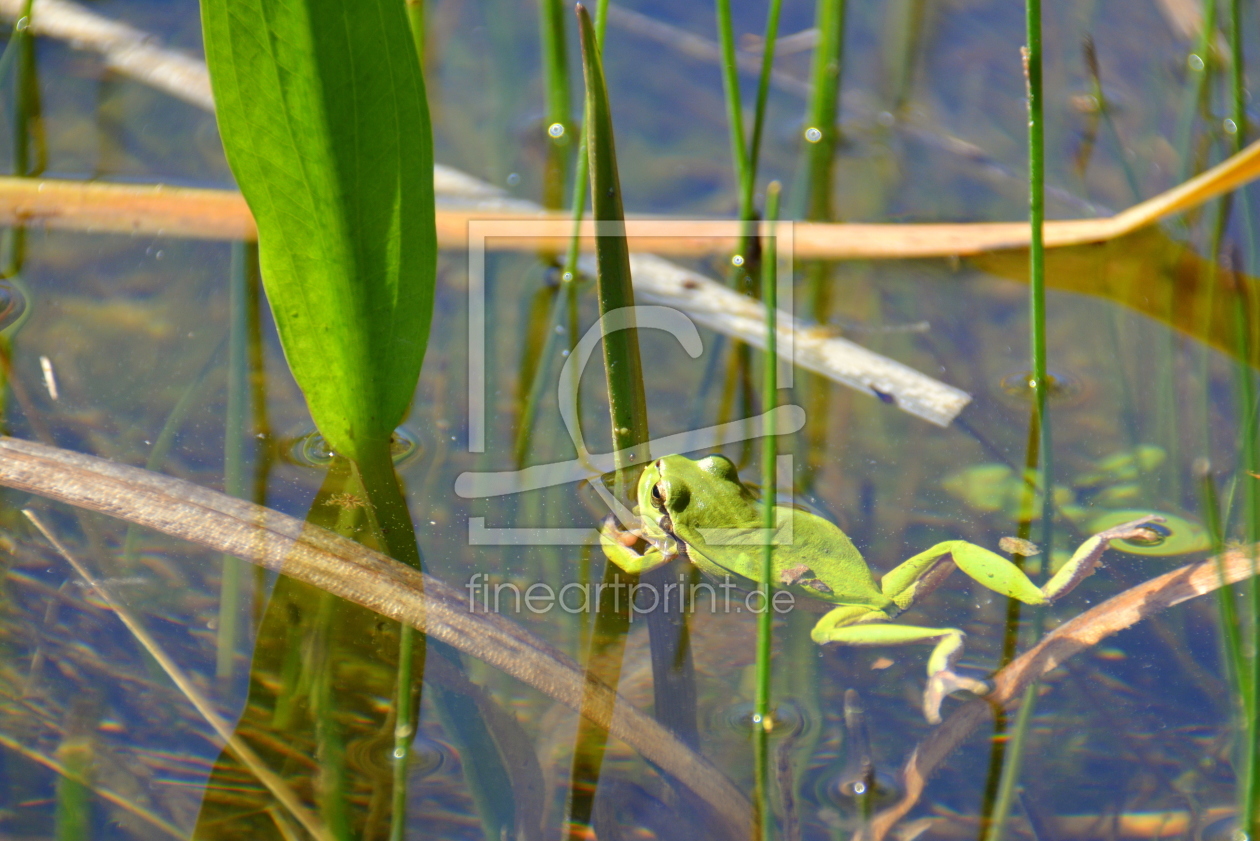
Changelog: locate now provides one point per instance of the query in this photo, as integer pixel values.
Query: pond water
(136, 332)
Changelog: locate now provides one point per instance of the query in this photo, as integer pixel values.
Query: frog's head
(675, 492)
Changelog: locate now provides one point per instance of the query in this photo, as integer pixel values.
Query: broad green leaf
(322, 111)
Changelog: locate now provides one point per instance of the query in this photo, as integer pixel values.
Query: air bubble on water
(1060, 386)
(22, 24)
(1230, 126)
(1195, 61)
(842, 789)
(567, 277)
(813, 135)
(737, 260)
(513, 179)
(555, 130)
(786, 719)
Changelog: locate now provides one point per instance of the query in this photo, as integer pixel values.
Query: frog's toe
(612, 530)
(945, 683)
(1138, 529)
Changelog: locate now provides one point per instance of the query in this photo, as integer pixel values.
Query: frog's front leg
(856, 625)
(618, 546)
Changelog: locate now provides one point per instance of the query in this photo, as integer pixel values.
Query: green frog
(699, 509)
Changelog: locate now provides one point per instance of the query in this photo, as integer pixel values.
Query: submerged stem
(769, 457)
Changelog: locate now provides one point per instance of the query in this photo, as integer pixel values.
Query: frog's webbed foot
(611, 529)
(942, 679)
(1086, 558)
(1139, 529)
(618, 545)
(944, 683)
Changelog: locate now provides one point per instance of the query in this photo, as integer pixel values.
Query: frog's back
(811, 555)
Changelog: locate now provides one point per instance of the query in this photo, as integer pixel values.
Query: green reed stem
(72, 812)
(747, 186)
(999, 769)
(1249, 797)
(626, 397)
(581, 172)
(1036, 208)
(746, 153)
(234, 436)
(1250, 794)
(27, 132)
(824, 108)
(734, 108)
(1237, 85)
(1040, 376)
(1037, 269)
(816, 203)
(555, 61)
(763, 814)
(1231, 639)
(390, 522)
(1196, 96)
(558, 111)
(542, 355)
(901, 52)
(627, 407)
(1007, 787)
(404, 731)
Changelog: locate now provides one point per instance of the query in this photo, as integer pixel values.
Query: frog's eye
(658, 496)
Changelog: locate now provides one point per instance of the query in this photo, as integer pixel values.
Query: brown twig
(222, 214)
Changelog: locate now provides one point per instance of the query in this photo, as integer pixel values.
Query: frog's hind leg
(921, 574)
(915, 578)
(863, 626)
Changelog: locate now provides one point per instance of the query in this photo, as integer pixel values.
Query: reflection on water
(311, 450)
(1134, 740)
